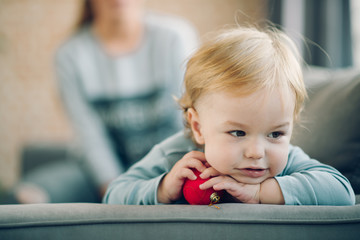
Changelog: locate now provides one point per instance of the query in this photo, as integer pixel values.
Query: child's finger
(187, 173)
(196, 155)
(230, 186)
(209, 172)
(191, 162)
(211, 182)
(198, 165)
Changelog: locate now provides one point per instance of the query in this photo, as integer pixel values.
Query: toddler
(243, 93)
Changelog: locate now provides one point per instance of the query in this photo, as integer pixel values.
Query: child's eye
(238, 133)
(275, 135)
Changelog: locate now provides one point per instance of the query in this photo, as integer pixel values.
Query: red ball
(194, 195)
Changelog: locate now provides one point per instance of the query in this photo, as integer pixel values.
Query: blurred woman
(118, 74)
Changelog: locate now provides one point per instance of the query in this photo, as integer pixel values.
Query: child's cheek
(279, 162)
(217, 159)
(210, 156)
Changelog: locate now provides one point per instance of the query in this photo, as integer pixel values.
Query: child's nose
(254, 150)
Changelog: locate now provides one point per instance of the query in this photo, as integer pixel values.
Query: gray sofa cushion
(331, 125)
(232, 221)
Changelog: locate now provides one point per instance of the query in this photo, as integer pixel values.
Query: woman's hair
(86, 14)
(242, 61)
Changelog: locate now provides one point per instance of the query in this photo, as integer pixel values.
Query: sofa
(329, 131)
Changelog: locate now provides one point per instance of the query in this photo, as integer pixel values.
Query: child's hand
(170, 188)
(241, 192)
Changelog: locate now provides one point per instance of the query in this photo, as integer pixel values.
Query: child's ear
(194, 121)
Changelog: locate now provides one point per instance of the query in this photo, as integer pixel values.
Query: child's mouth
(253, 172)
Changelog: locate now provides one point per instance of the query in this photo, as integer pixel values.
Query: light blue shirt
(304, 181)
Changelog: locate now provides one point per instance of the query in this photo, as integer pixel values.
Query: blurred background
(31, 111)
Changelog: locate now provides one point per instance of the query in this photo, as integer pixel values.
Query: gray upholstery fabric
(330, 130)
(231, 221)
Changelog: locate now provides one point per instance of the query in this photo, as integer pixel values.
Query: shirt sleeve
(138, 186)
(306, 181)
(99, 158)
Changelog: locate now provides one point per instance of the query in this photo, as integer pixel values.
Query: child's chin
(248, 180)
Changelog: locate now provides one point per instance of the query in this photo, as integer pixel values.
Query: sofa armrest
(231, 221)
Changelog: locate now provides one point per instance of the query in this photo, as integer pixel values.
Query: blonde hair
(243, 61)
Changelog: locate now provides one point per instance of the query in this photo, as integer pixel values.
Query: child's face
(245, 137)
